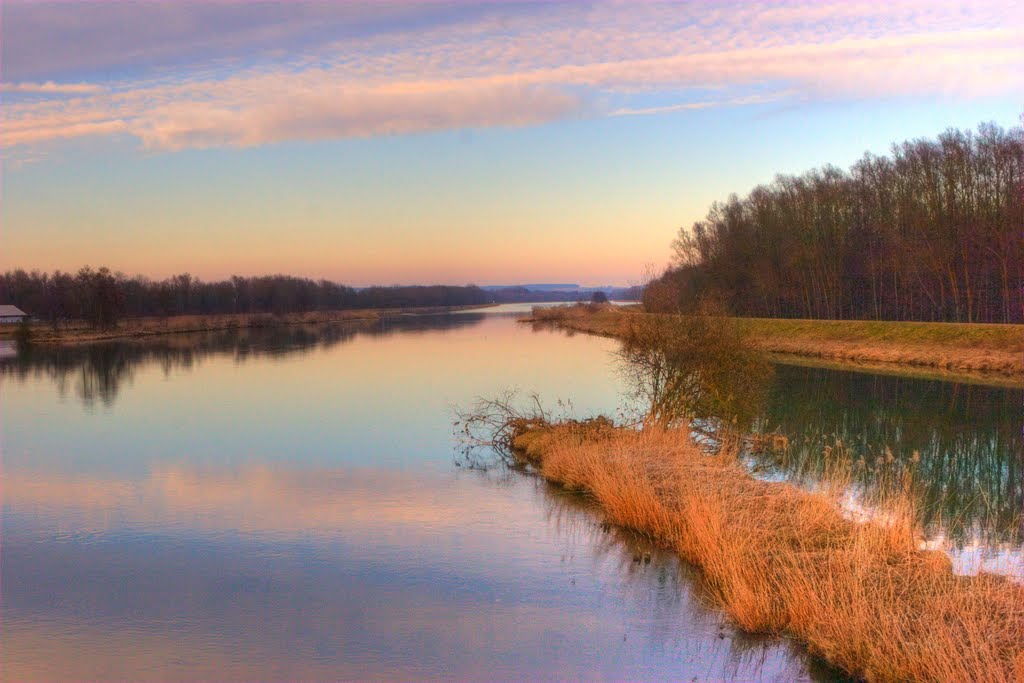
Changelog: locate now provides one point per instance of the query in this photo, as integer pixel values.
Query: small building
(11, 314)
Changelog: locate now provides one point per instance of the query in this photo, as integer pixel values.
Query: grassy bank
(965, 349)
(79, 332)
(782, 560)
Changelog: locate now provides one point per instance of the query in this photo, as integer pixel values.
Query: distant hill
(535, 287)
(557, 292)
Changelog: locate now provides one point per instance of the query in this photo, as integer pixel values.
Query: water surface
(286, 503)
(961, 444)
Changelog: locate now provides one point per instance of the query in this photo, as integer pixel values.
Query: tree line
(102, 297)
(934, 231)
(508, 295)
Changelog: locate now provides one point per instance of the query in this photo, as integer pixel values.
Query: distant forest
(934, 232)
(102, 297)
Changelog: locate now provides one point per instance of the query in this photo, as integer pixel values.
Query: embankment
(782, 560)
(969, 350)
(136, 328)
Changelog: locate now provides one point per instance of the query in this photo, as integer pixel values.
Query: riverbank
(136, 328)
(782, 560)
(949, 349)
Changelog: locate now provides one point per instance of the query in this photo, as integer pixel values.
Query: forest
(932, 232)
(102, 297)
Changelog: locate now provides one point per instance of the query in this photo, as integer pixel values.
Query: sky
(447, 142)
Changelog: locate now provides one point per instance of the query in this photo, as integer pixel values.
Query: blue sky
(444, 142)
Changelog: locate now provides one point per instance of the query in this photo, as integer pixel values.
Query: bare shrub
(489, 427)
(693, 368)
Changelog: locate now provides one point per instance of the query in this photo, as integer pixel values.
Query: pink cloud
(541, 66)
(51, 88)
(335, 111)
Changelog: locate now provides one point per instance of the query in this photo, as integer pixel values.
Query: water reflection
(297, 573)
(97, 372)
(963, 442)
(681, 590)
(280, 504)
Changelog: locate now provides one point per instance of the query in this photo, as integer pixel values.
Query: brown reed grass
(785, 560)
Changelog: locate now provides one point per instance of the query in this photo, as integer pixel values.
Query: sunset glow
(444, 142)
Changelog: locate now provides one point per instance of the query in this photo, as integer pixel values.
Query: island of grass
(862, 595)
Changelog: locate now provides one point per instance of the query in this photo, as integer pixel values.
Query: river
(290, 503)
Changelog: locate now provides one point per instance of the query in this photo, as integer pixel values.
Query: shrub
(686, 368)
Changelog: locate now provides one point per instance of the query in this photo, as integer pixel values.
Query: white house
(11, 314)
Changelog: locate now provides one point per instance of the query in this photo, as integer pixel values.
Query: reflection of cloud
(256, 499)
(493, 603)
(508, 68)
(466, 634)
(339, 627)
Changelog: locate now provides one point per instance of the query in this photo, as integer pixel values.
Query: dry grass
(133, 328)
(603, 320)
(997, 349)
(784, 560)
(952, 348)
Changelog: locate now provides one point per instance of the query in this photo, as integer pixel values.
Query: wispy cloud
(518, 68)
(332, 111)
(705, 104)
(51, 88)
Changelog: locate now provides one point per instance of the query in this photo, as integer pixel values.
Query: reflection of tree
(98, 371)
(963, 442)
(415, 323)
(678, 588)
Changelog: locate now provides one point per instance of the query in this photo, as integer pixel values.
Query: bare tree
(934, 231)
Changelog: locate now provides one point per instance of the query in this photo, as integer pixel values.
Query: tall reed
(780, 559)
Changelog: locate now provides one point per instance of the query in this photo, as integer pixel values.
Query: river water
(289, 504)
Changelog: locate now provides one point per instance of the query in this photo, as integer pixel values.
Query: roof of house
(7, 310)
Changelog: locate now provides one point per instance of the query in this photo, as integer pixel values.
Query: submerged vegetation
(836, 565)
